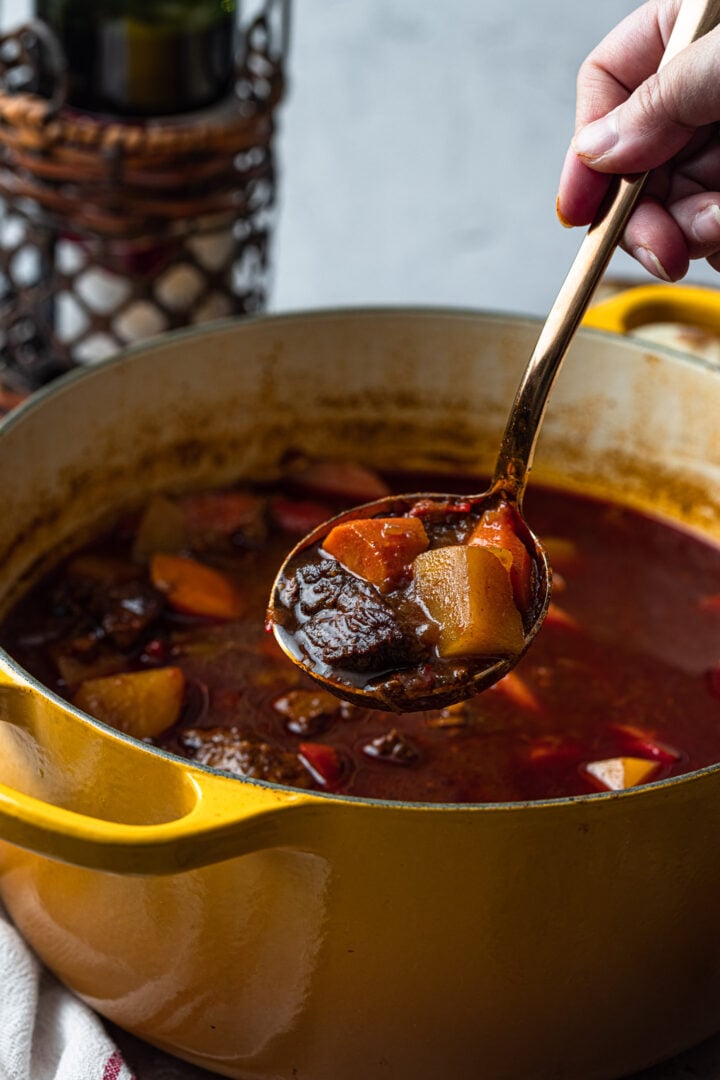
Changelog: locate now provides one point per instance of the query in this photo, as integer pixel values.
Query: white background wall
(421, 147)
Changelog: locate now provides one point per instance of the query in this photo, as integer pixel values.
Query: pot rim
(63, 383)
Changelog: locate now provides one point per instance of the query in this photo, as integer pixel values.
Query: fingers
(580, 193)
(654, 238)
(632, 118)
(623, 60)
(660, 117)
(665, 239)
(698, 218)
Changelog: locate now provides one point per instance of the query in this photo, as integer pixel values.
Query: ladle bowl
(391, 691)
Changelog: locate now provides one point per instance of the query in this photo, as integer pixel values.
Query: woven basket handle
(277, 17)
(32, 62)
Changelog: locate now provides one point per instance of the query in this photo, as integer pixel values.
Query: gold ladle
(393, 691)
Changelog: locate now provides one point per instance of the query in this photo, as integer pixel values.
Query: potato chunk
(140, 703)
(467, 591)
(616, 774)
(162, 528)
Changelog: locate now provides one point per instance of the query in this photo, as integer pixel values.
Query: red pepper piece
(499, 528)
(342, 480)
(220, 513)
(322, 761)
(298, 516)
(436, 511)
(156, 651)
(637, 742)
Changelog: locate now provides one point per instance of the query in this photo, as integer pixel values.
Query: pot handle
(636, 307)
(77, 791)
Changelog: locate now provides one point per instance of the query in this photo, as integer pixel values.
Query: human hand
(631, 118)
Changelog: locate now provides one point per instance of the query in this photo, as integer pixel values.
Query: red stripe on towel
(113, 1066)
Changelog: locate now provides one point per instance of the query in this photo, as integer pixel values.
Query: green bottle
(144, 57)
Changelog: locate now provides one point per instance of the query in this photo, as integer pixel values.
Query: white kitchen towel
(45, 1032)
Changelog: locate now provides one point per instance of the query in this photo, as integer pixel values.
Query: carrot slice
(380, 550)
(140, 703)
(498, 528)
(195, 589)
(512, 687)
(558, 616)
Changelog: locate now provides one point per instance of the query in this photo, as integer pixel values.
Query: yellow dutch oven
(268, 933)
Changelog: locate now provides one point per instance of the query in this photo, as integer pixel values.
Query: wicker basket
(111, 232)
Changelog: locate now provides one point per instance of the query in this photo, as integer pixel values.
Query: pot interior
(428, 389)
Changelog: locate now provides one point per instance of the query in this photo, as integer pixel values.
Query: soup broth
(157, 627)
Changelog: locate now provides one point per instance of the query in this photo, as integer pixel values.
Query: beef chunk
(308, 712)
(392, 747)
(125, 610)
(316, 585)
(96, 607)
(231, 750)
(344, 622)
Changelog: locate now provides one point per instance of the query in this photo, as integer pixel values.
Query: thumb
(660, 117)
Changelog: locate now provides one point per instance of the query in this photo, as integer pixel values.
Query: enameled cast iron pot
(267, 933)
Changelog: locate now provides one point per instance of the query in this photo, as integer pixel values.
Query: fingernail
(650, 261)
(595, 140)
(563, 220)
(706, 224)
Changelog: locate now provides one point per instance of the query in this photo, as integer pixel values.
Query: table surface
(700, 1063)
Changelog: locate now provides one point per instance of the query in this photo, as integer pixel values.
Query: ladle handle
(695, 18)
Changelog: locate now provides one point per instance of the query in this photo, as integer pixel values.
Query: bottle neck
(144, 57)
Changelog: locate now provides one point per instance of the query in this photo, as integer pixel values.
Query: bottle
(140, 58)
(134, 61)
